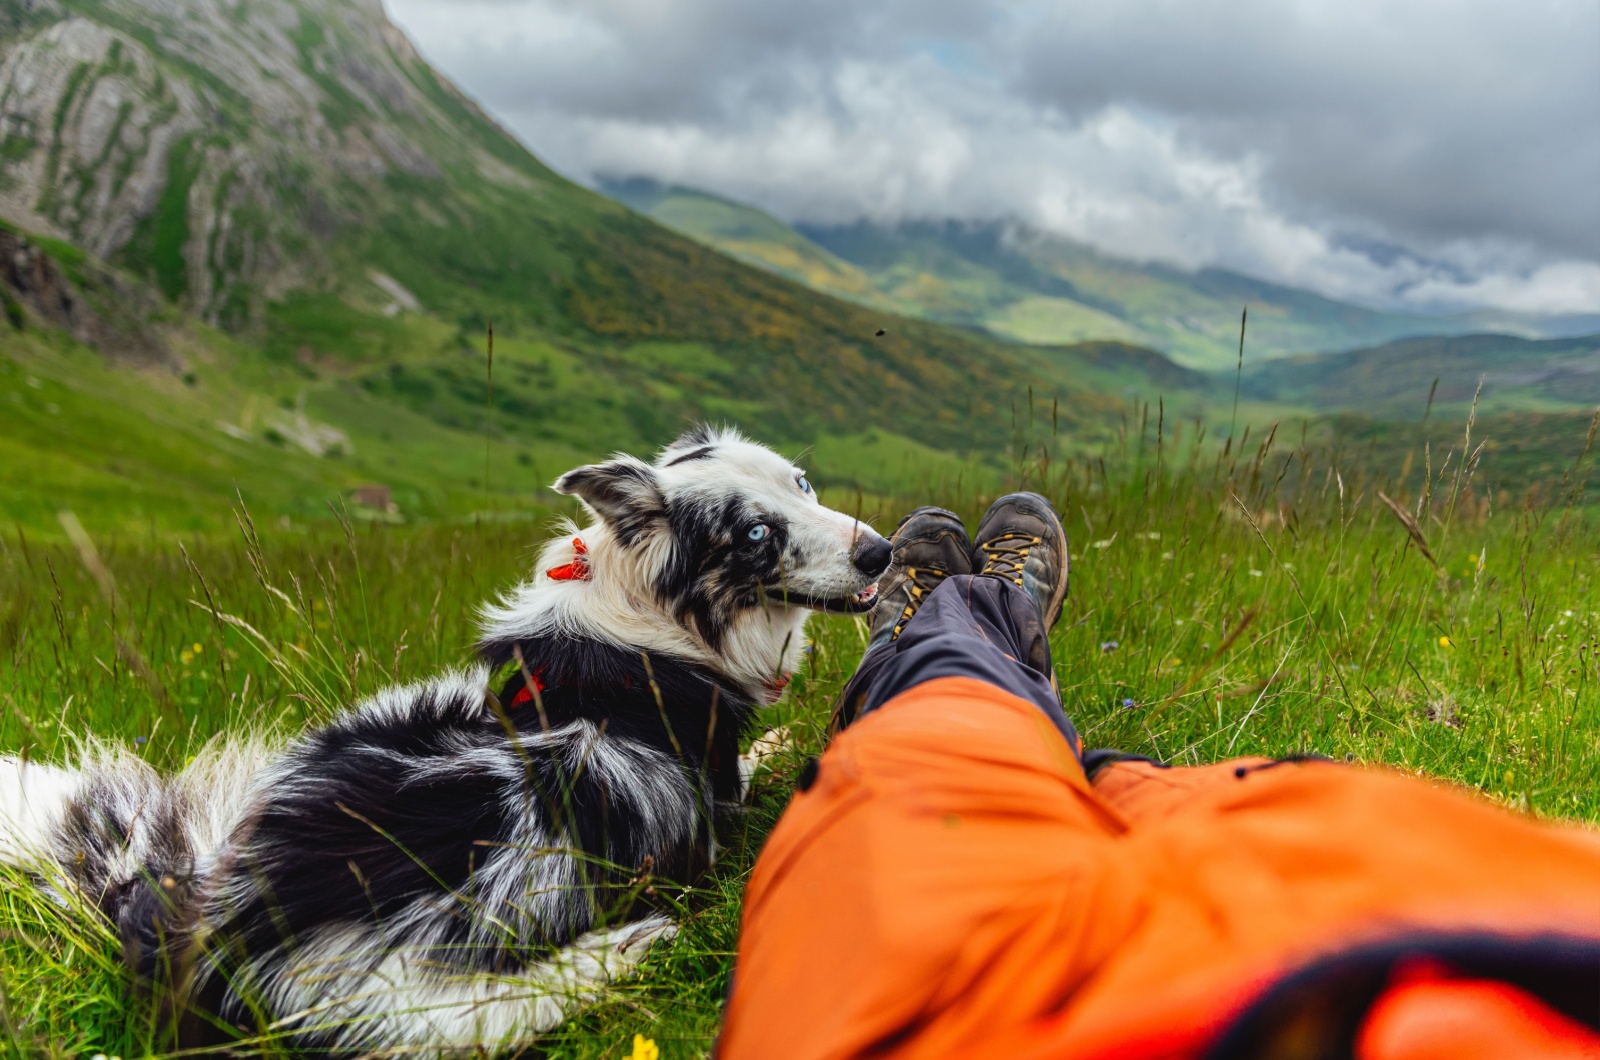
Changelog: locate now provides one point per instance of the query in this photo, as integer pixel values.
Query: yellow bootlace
(1007, 555)
(914, 575)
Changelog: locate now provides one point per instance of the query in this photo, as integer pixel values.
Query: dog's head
(720, 527)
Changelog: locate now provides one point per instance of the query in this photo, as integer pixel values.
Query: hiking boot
(1021, 540)
(930, 544)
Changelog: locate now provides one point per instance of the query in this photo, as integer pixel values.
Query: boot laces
(925, 579)
(1007, 554)
(919, 582)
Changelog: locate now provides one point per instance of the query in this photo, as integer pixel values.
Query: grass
(1228, 600)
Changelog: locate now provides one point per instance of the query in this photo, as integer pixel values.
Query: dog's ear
(697, 442)
(624, 492)
(696, 436)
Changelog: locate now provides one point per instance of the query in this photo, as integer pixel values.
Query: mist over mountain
(1026, 285)
(1408, 157)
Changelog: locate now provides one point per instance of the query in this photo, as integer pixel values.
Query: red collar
(577, 570)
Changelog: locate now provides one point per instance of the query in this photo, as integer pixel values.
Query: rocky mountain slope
(60, 289)
(213, 147)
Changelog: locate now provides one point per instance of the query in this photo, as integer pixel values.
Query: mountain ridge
(1503, 373)
(1028, 286)
(214, 148)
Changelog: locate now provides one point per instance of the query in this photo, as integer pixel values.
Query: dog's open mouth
(852, 604)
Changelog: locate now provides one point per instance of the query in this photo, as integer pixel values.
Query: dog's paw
(767, 746)
(769, 743)
(580, 973)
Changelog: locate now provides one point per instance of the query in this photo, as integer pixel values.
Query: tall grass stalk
(1238, 376)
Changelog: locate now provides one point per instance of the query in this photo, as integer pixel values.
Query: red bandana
(577, 570)
(525, 693)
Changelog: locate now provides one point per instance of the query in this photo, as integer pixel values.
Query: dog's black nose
(873, 556)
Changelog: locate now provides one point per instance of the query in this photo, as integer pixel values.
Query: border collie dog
(451, 866)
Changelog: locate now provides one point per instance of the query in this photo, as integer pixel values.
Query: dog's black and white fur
(452, 865)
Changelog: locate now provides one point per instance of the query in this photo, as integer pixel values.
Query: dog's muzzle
(873, 556)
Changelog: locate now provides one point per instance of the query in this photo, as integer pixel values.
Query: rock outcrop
(217, 148)
(100, 309)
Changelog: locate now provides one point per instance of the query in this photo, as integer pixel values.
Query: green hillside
(1535, 407)
(1027, 286)
(264, 244)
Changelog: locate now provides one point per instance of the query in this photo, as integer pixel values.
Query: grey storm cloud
(1422, 153)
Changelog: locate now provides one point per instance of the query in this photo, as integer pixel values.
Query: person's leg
(992, 626)
(923, 881)
(935, 621)
(971, 626)
(934, 880)
(949, 882)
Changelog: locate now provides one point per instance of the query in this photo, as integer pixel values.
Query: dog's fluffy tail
(33, 803)
(111, 834)
(108, 836)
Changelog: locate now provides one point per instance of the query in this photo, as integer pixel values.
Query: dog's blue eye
(759, 532)
(804, 484)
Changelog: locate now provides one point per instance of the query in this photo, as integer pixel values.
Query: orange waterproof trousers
(953, 885)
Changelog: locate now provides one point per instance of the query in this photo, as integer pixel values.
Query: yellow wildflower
(198, 648)
(644, 1049)
(1446, 642)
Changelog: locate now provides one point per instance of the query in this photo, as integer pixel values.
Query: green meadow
(1259, 598)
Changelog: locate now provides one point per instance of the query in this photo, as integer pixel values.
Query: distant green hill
(1394, 380)
(263, 245)
(751, 236)
(1534, 419)
(1028, 286)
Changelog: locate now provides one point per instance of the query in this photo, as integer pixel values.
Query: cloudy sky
(1425, 154)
